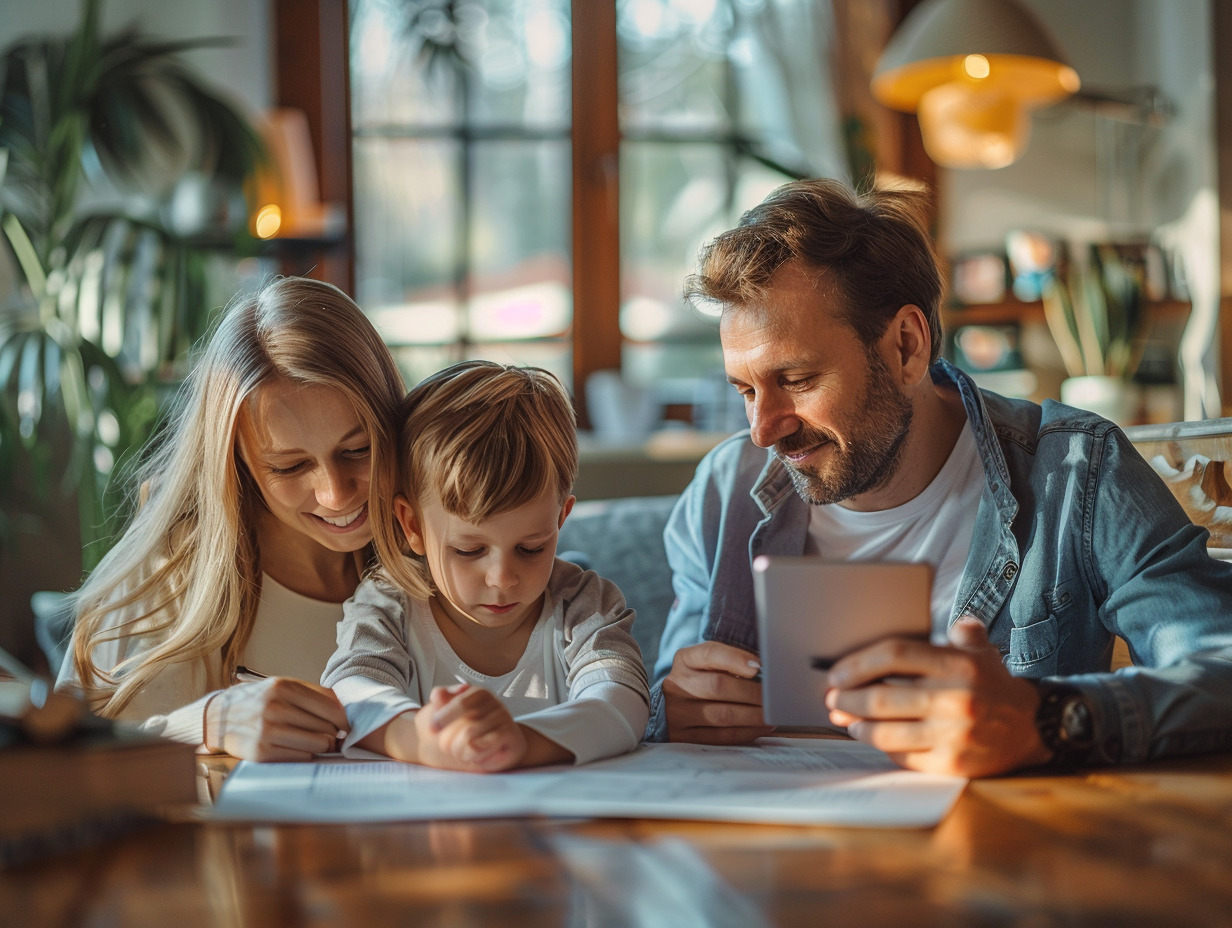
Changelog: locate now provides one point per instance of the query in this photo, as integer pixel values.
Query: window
(461, 146)
(463, 127)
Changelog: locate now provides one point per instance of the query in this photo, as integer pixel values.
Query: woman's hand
(465, 727)
(276, 719)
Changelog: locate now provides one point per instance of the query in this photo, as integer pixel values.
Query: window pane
(519, 240)
(551, 354)
(418, 361)
(462, 211)
(782, 68)
(519, 57)
(674, 198)
(407, 238)
(391, 82)
(673, 64)
(721, 102)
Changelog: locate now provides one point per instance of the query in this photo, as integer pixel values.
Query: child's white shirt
(580, 681)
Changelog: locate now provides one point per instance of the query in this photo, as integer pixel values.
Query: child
(478, 649)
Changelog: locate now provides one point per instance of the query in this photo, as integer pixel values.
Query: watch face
(1076, 722)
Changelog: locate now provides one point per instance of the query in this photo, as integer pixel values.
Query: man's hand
(709, 697)
(274, 719)
(960, 712)
(465, 727)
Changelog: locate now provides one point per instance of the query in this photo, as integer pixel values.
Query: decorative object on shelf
(981, 348)
(992, 356)
(1096, 317)
(288, 196)
(1146, 262)
(973, 71)
(1034, 257)
(978, 278)
(107, 300)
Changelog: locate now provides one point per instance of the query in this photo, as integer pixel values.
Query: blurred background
(531, 180)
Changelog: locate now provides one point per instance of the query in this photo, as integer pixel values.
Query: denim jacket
(1076, 540)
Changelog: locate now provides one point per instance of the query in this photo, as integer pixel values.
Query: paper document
(801, 781)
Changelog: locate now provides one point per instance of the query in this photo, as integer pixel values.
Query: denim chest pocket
(1034, 648)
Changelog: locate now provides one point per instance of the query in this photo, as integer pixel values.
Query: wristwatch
(1064, 723)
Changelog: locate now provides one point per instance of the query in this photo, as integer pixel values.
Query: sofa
(622, 540)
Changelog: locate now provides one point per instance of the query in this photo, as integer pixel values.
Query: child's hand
(469, 729)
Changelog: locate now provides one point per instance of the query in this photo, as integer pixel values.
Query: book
(96, 780)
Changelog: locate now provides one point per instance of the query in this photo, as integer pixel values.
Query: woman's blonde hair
(186, 574)
(483, 438)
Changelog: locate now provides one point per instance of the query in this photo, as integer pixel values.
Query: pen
(245, 675)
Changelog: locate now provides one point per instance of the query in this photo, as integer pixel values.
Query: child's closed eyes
(478, 552)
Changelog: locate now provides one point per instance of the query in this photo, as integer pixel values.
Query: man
(1047, 532)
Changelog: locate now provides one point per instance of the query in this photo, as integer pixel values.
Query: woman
(219, 602)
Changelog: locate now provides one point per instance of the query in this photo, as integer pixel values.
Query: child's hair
(483, 438)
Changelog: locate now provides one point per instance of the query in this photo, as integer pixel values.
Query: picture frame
(978, 278)
(1033, 257)
(1151, 266)
(979, 349)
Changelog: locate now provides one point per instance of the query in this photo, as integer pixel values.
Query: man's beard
(874, 446)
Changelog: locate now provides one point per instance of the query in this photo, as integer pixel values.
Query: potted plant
(1095, 313)
(108, 299)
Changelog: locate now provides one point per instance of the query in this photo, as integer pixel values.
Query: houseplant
(1095, 313)
(108, 298)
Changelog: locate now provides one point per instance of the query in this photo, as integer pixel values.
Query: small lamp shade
(973, 70)
(966, 128)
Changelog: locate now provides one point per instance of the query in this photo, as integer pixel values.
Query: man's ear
(409, 521)
(565, 510)
(911, 344)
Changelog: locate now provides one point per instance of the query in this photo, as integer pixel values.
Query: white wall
(1059, 184)
(1066, 183)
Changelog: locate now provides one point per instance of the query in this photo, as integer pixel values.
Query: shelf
(1012, 311)
(1003, 313)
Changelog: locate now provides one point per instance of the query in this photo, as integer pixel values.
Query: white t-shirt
(293, 636)
(934, 528)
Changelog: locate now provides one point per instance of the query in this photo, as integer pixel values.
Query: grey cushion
(622, 540)
(53, 625)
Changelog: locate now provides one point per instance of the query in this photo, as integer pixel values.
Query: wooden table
(1136, 846)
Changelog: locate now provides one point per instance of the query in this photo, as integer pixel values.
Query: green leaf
(30, 390)
(1059, 314)
(23, 248)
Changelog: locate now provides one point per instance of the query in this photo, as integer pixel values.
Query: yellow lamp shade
(973, 70)
(1034, 82)
(965, 127)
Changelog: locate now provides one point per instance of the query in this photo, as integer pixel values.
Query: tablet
(810, 612)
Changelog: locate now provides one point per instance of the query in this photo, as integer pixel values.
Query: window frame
(312, 74)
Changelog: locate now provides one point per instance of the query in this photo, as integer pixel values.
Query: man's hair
(483, 438)
(870, 251)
